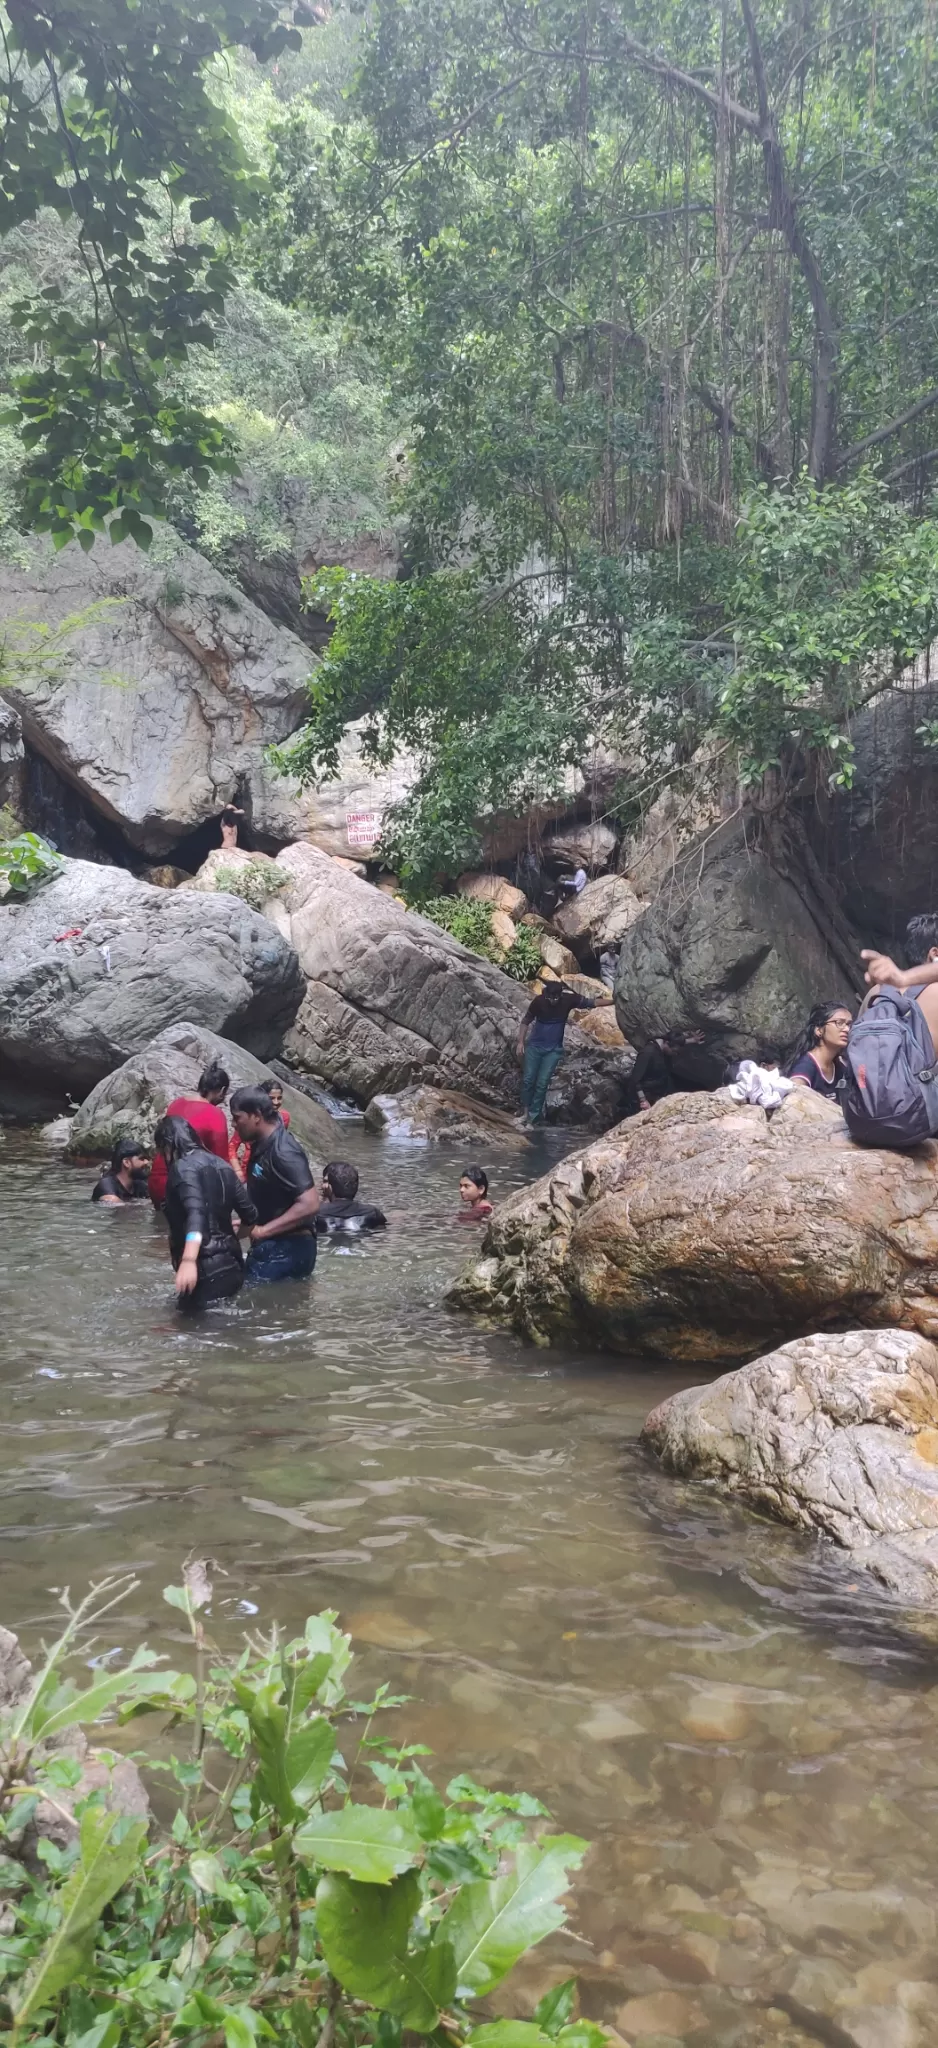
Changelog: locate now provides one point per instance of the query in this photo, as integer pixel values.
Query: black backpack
(891, 1093)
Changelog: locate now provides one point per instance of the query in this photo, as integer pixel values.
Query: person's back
(206, 1117)
(340, 1208)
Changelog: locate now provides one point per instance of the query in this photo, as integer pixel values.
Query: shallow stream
(743, 1727)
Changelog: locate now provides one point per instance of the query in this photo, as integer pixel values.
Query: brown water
(740, 1724)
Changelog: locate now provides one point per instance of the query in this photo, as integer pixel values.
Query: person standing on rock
(207, 1118)
(201, 1193)
(540, 1042)
(282, 1189)
(230, 820)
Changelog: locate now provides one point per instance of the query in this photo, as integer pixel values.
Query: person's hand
(519, 1049)
(879, 968)
(258, 1233)
(187, 1276)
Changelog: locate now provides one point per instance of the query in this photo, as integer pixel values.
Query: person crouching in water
(281, 1186)
(201, 1192)
(125, 1180)
(340, 1208)
(474, 1205)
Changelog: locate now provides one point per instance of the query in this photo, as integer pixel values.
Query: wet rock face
(703, 1230)
(393, 1002)
(428, 1116)
(834, 1432)
(130, 1102)
(600, 916)
(95, 964)
(728, 948)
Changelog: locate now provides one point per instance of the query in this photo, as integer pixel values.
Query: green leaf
(120, 1688)
(363, 1930)
(429, 1809)
(492, 1922)
(309, 1754)
(206, 1871)
(102, 1868)
(556, 2006)
(508, 2034)
(365, 1841)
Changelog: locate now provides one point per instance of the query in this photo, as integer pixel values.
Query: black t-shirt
(809, 1070)
(349, 1216)
(278, 1174)
(110, 1185)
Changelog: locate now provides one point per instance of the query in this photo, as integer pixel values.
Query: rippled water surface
(745, 1730)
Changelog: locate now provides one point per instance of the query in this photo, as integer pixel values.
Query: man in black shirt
(339, 1208)
(540, 1042)
(281, 1186)
(125, 1180)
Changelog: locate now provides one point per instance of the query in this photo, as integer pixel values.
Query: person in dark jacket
(340, 1208)
(281, 1186)
(125, 1180)
(201, 1192)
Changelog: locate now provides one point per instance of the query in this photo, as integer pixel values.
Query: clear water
(741, 1725)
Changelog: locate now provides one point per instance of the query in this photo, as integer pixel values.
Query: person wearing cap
(125, 1180)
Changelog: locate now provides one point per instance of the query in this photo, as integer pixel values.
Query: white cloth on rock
(764, 1086)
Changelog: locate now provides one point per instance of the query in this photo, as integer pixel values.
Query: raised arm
(880, 969)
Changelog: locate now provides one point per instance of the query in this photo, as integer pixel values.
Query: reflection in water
(743, 1728)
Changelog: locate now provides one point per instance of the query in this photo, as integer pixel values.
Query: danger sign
(363, 828)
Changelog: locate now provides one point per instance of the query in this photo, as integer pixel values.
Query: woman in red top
(207, 1118)
(238, 1149)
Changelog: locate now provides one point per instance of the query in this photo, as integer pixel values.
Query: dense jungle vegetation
(625, 314)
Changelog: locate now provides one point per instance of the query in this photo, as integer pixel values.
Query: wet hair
(213, 1080)
(231, 815)
(478, 1178)
(342, 1178)
(269, 1086)
(174, 1137)
(127, 1148)
(552, 989)
(807, 1041)
(921, 934)
(253, 1102)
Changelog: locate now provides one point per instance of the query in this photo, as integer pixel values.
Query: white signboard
(363, 827)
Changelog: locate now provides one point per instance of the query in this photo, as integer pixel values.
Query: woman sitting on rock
(818, 1061)
(201, 1192)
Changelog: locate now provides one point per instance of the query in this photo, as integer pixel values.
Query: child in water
(473, 1193)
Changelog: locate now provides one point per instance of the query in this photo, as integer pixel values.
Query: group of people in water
(214, 1187)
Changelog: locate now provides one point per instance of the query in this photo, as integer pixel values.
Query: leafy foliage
(471, 923)
(103, 107)
(26, 861)
(255, 881)
(274, 1905)
(635, 275)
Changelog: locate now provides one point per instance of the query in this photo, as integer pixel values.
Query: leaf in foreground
(491, 1923)
(102, 1868)
(366, 1842)
(364, 1931)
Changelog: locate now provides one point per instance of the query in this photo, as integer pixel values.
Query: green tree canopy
(108, 118)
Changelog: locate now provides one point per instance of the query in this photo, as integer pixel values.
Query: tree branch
(884, 433)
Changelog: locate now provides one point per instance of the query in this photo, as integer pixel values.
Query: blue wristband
(193, 1236)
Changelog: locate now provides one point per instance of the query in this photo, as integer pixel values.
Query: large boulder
(599, 917)
(704, 1229)
(167, 690)
(730, 948)
(494, 889)
(877, 838)
(588, 845)
(391, 1000)
(95, 964)
(836, 1432)
(130, 1102)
